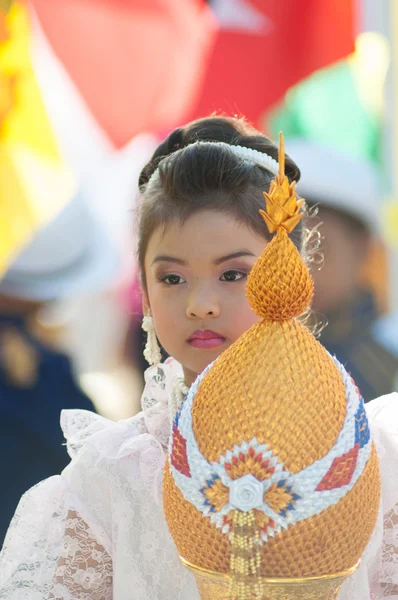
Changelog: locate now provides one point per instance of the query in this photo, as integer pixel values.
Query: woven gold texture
(276, 383)
(279, 286)
(327, 543)
(215, 586)
(195, 537)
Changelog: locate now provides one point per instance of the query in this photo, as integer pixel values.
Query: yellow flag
(34, 182)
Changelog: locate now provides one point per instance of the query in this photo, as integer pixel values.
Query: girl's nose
(202, 304)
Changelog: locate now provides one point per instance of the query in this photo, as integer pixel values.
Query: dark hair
(193, 177)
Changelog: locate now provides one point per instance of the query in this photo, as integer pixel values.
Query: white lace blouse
(97, 531)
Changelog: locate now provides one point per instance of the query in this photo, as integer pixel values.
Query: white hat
(331, 178)
(71, 255)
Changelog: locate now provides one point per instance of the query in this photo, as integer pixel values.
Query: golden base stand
(216, 586)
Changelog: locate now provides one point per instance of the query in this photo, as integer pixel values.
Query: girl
(98, 531)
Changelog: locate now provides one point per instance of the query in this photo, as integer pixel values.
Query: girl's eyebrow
(237, 254)
(217, 261)
(164, 258)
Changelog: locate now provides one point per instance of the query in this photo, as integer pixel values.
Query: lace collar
(159, 399)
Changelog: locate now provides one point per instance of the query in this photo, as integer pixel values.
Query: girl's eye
(172, 279)
(233, 275)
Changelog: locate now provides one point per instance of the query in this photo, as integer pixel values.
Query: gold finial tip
(279, 286)
(281, 157)
(283, 210)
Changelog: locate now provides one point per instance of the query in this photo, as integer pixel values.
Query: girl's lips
(206, 339)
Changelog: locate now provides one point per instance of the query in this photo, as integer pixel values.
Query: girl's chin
(195, 368)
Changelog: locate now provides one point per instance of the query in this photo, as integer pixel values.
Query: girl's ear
(146, 310)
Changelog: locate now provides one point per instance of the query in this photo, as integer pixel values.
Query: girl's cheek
(246, 317)
(166, 316)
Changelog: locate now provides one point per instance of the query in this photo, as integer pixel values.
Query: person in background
(346, 195)
(69, 257)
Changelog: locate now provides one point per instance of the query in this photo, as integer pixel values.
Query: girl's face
(196, 275)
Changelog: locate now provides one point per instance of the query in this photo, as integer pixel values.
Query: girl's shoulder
(85, 431)
(383, 413)
(383, 422)
(122, 461)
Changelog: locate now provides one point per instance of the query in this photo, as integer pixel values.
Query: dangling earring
(152, 352)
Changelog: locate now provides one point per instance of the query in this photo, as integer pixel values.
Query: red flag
(266, 46)
(137, 63)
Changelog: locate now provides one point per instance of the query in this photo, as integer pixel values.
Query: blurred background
(87, 90)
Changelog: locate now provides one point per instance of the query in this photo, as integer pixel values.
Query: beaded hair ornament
(272, 472)
(251, 154)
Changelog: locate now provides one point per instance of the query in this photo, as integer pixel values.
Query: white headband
(253, 156)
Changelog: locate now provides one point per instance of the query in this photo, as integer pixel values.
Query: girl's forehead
(207, 233)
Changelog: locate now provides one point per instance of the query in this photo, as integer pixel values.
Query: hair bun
(232, 131)
(171, 144)
(175, 140)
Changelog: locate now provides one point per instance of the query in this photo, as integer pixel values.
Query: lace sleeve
(383, 418)
(54, 549)
(84, 567)
(389, 557)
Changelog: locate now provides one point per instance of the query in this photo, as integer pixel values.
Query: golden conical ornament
(272, 412)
